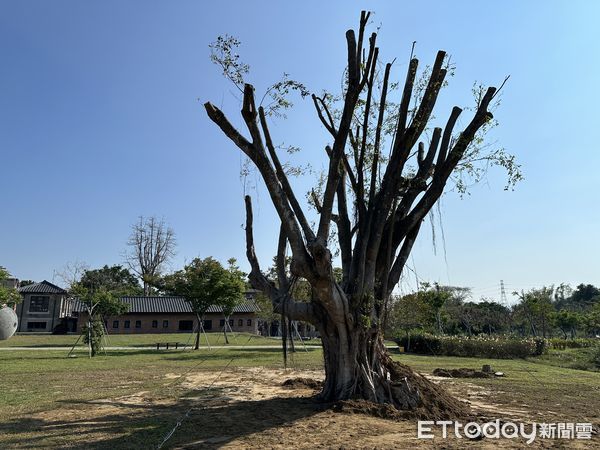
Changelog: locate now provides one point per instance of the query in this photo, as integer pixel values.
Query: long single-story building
(172, 315)
(48, 308)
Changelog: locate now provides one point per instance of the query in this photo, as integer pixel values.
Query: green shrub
(595, 356)
(561, 344)
(476, 346)
(94, 336)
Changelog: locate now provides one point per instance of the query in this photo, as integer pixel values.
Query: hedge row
(476, 346)
(561, 344)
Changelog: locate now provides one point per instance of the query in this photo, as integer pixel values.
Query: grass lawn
(143, 340)
(34, 385)
(555, 391)
(33, 380)
(571, 358)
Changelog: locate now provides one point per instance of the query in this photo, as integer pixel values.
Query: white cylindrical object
(8, 323)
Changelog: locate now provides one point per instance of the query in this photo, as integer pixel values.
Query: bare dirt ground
(250, 408)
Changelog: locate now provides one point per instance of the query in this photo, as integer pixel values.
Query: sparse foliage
(151, 246)
(370, 207)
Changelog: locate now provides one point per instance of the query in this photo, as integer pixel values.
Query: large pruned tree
(377, 204)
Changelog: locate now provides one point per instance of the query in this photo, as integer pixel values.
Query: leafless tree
(150, 247)
(391, 196)
(70, 273)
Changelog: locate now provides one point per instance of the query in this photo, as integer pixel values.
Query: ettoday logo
(505, 430)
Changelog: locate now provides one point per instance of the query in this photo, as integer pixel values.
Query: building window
(165, 324)
(115, 324)
(36, 325)
(127, 324)
(138, 324)
(249, 322)
(240, 322)
(186, 325)
(39, 303)
(222, 323)
(155, 324)
(207, 325)
(230, 322)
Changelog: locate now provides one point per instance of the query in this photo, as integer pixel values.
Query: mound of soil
(302, 383)
(435, 402)
(383, 410)
(462, 373)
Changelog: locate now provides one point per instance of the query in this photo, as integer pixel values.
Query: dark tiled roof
(45, 287)
(169, 305)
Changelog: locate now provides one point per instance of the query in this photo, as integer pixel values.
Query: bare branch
(399, 263)
(320, 107)
(280, 261)
(365, 131)
(447, 135)
(257, 154)
(378, 129)
(289, 192)
(293, 310)
(406, 96)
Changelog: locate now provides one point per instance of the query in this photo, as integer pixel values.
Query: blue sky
(101, 120)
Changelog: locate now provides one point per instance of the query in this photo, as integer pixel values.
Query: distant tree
(265, 313)
(23, 283)
(100, 291)
(204, 282)
(487, 317)
(71, 272)
(115, 279)
(536, 308)
(567, 322)
(408, 313)
(562, 296)
(8, 295)
(228, 303)
(584, 296)
(591, 320)
(150, 247)
(436, 296)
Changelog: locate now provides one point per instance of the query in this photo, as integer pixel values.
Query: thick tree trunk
(358, 366)
(349, 366)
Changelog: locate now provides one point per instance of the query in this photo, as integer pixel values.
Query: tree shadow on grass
(208, 423)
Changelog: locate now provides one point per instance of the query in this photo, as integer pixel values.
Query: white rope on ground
(203, 360)
(187, 413)
(190, 338)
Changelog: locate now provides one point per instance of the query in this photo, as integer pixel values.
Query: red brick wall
(173, 323)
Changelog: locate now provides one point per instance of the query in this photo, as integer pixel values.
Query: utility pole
(503, 299)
